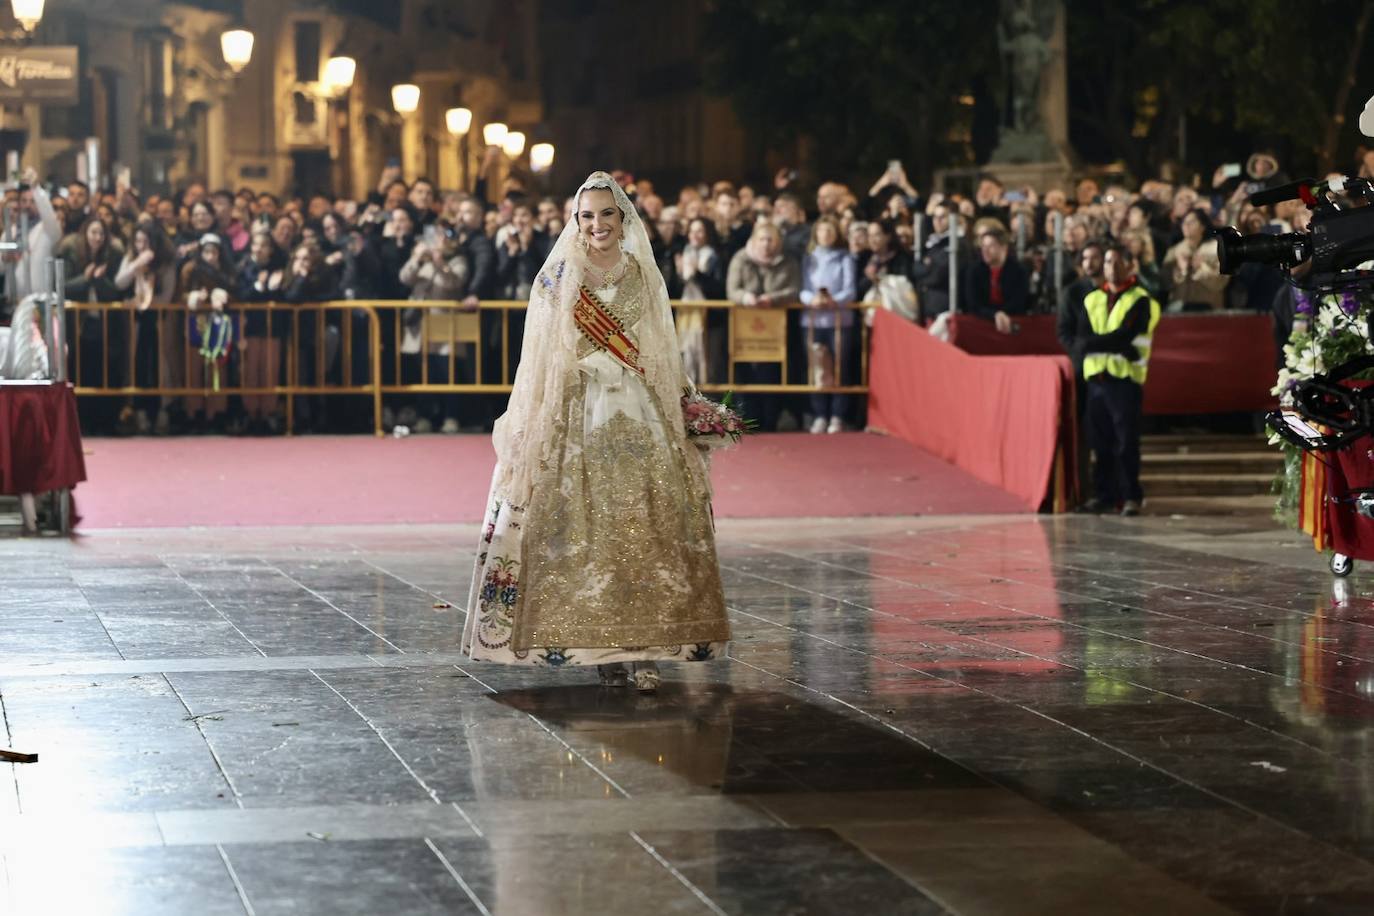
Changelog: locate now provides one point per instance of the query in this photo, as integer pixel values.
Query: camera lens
(1286, 250)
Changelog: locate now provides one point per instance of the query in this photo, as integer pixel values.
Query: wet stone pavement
(958, 715)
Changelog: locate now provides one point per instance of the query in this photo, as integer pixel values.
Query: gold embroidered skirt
(614, 558)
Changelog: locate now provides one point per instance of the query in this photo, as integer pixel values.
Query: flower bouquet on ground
(711, 424)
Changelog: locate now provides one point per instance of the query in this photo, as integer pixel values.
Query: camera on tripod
(1341, 236)
(1330, 410)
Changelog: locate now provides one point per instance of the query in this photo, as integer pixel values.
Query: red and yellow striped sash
(604, 330)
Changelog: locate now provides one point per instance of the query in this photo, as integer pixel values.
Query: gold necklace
(610, 275)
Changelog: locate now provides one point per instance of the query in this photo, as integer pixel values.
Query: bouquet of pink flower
(711, 424)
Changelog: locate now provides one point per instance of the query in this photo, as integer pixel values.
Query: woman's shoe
(613, 675)
(818, 426)
(646, 677)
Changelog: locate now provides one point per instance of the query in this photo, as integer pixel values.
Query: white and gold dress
(612, 558)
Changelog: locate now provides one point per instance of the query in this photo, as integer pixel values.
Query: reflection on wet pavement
(919, 716)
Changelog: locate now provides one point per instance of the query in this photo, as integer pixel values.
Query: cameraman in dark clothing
(996, 287)
(1111, 330)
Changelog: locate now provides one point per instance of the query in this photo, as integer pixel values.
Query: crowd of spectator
(755, 245)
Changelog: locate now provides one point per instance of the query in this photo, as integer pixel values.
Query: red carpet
(360, 480)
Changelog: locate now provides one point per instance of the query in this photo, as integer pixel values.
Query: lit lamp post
(513, 144)
(459, 123)
(338, 75)
(28, 12)
(494, 134)
(541, 157)
(405, 98)
(541, 160)
(337, 80)
(237, 47)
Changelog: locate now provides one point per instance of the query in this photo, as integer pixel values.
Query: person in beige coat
(762, 276)
(1196, 283)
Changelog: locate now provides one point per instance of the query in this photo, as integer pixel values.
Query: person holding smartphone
(892, 183)
(830, 286)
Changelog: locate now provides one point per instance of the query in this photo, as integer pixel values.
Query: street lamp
(541, 157)
(459, 123)
(338, 74)
(405, 98)
(494, 134)
(514, 144)
(335, 81)
(236, 45)
(28, 12)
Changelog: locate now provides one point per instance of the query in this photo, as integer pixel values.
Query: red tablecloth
(1000, 419)
(1350, 469)
(40, 439)
(1035, 337)
(1211, 363)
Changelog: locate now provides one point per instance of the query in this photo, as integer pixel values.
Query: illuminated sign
(46, 75)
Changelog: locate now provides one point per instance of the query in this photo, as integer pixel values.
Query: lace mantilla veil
(526, 435)
(26, 356)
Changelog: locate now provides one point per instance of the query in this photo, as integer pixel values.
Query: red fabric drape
(1198, 363)
(1034, 337)
(997, 418)
(1349, 469)
(40, 439)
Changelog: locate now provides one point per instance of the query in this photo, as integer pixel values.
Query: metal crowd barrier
(299, 336)
(376, 348)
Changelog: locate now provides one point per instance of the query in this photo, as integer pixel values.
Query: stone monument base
(1042, 176)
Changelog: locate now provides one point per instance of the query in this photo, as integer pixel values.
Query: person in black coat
(262, 278)
(1088, 279)
(309, 280)
(930, 272)
(521, 254)
(394, 250)
(480, 251)
(888, 257)
(484, 282)
(362, 267)
(667, 242)
(996, 287)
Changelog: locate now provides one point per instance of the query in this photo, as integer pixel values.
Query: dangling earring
(582, 241)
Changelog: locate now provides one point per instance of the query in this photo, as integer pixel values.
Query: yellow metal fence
(373, 348)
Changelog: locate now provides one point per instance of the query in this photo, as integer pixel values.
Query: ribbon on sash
(604, 330)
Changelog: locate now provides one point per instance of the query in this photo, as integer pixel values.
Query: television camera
(1328, 413)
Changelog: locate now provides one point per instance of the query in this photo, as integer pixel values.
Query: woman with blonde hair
(1142, 246)
(829, 286)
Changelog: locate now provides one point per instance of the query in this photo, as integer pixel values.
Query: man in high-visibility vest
(1112, 328)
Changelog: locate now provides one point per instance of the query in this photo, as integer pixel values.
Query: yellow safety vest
(1104, 322)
